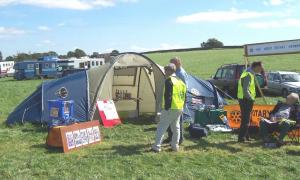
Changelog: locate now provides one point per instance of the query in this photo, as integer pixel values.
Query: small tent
(130, 73)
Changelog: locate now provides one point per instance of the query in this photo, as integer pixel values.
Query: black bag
(197, 131)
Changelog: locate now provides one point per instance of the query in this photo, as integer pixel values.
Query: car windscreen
(290, 77)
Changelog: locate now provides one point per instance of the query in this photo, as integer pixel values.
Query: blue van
(35, 69)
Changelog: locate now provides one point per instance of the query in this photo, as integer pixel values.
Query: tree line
(78, 53)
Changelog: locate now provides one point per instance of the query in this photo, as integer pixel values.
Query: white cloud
(293, 23)
(61, 24)
(274, 2)
(5, 32)
(279, 2)
(221, 16)
(47, 41)
(65, 4)
(44, 28)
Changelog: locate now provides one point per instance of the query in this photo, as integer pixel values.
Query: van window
(218, 74)
(30, 66)
(228, 73)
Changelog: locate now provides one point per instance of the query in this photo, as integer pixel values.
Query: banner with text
(273, 48)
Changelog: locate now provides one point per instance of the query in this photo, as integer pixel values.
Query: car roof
(283, 72)
(228, 65)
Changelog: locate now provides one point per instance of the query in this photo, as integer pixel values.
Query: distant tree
(22, 57)
(79, 53)
(95, 55)
(114, 53)
(9, 58)
(70, 54)
(212, 43)
(62, 56)
(36, 56)
(1, 57)
(52, 53)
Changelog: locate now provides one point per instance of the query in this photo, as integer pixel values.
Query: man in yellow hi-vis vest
(172, 107)
(246, 95)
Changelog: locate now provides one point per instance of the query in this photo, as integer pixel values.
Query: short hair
(175, 59)
(256, 64)
(170, 67)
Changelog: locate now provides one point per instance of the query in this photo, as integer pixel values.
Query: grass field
(124, 152)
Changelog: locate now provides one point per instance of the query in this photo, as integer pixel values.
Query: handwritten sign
(79, 135)
(273, 48)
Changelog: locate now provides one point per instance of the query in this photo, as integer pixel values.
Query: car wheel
(285, 93)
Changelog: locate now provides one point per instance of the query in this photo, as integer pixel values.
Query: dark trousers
(181, 131)
(246, 108)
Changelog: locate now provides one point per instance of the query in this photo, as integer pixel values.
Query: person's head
(170, 69)
(292, 99)
(176, 61)
(257, 67)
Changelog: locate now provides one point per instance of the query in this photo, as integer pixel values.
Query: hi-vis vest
(178, 96)
(251, 87)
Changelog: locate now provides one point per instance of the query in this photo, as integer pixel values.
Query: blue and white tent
(131, 73)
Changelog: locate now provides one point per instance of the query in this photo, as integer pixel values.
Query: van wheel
(285, 93)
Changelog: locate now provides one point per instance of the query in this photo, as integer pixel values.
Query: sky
(141, 25)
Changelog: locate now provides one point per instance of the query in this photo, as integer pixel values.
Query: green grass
(124, 152)
(205, 63)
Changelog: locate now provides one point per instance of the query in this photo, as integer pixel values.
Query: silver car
(282, 83)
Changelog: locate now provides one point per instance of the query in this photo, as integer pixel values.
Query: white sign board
(273, 48)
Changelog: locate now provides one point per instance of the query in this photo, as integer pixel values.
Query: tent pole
(260, 91)
(138, 94)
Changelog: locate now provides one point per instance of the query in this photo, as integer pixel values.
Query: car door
(270, 83)
(217, 80)
(228, 79)
(277, 84)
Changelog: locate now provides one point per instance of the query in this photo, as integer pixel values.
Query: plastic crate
(202, 117)
(214, 116)
(206, 117)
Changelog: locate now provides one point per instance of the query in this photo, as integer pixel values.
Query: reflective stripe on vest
(178, 96)
(251, 86)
